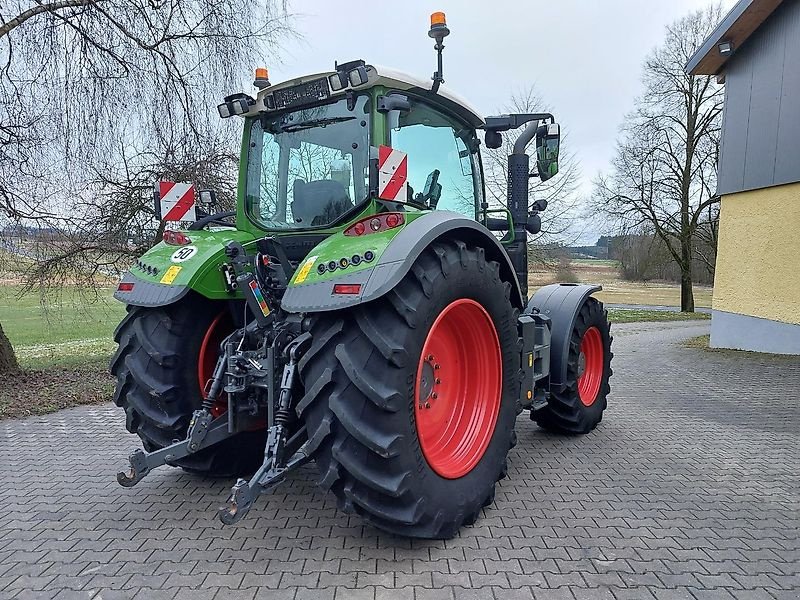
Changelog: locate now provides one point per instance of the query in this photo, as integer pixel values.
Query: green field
(72, 328)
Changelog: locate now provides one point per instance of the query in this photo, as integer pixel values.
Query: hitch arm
(203, 432)
(244, 493)
(275, 466)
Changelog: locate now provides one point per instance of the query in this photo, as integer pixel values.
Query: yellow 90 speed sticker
(171, 274)
(304, 270)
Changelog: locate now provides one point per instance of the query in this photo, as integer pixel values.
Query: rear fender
(166, 273)
(311, 288)
(561, 302)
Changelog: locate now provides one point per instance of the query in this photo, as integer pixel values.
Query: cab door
(443, 167)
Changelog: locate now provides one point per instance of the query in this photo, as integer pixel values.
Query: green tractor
(363, 308)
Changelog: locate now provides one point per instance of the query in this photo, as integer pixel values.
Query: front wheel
(578, 406)
(411, 399)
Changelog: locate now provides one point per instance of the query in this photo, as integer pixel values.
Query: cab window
(440, 162)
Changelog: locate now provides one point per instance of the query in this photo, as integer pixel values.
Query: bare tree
(100, 99)
(663, 177)
(560, 192)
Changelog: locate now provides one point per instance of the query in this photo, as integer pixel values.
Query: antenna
(438, 32)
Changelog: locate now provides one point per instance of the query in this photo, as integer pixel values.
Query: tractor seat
(320, 202)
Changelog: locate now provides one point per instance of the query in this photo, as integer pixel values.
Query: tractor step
(534, 330)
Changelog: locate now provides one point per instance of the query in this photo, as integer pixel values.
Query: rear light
(347, 288)
(392, 220)
(376, 224)
(176, 238)
(125, 286)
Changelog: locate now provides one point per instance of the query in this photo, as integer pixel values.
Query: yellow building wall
(758, 257)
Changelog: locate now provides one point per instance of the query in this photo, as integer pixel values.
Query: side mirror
(493, 139)
(548, 140)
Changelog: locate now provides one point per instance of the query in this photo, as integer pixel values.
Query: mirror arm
(514, 121)
(525, 137)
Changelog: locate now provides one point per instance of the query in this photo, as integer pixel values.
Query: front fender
(395, 251)
(561, 302)
(166, 273)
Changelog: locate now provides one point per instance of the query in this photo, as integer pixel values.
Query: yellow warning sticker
(171, 274)
(303, 272)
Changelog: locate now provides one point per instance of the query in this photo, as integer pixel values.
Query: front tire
(406, 467)
(163, 353)
(578, 407)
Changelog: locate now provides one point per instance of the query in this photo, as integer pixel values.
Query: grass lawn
(63, 350)
(65, 331)
(622, 315)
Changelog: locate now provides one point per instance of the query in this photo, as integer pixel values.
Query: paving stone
(686, 491)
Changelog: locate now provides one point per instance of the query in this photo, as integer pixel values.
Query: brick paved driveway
(688, 489)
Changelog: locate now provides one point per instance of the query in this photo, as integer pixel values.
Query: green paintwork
(339, 246)
(201, 271)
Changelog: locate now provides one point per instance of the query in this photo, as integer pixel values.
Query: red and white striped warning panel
(392, 174)
(177, 201)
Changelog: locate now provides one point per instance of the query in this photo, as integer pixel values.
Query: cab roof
(392, 79)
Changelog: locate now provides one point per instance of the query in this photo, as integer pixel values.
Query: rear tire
(156, 366)
(362, 403)
(579, 406)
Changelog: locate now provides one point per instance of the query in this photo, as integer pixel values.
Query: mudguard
(312, 290)
(166, 273)
(561, 302)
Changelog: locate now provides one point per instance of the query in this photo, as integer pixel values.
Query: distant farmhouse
(755, 51)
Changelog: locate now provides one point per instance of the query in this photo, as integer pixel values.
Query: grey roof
(738, 25)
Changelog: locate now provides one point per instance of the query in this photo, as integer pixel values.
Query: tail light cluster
(376, 224)
(176, 238)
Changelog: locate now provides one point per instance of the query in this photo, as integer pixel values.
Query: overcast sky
(583, 56)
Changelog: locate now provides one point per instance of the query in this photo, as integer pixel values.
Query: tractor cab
(312, 157)
(310, 151)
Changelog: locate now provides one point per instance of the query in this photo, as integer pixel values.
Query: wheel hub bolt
(430, 357)
(434, 395)
(438, 381)
(436, 366)
(427, 405)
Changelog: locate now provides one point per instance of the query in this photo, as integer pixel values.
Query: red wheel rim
(459, 383)
(220, 327)
(590, 366)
